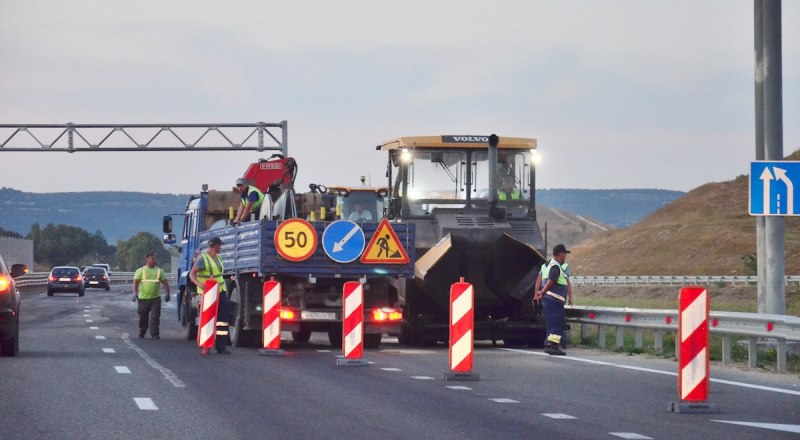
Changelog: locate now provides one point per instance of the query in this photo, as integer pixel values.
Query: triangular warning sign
(384, 247)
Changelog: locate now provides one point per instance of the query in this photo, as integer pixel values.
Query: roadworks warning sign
(384, 247)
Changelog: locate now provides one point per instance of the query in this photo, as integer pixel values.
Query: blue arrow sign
(775, 188)
(343, 241)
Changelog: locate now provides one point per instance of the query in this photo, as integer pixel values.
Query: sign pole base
(270, 352)
(461, 376)
(344, 362)
(693, 407)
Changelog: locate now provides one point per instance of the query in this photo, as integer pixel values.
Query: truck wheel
(190, 316)
(238, 335)
(304, 335)
(372, 340)
(49, 292)
(335, 338)
(537, 340)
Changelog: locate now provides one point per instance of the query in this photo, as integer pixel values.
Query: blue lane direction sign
(775, 188)
(343, 241)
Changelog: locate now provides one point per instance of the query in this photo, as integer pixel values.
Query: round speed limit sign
(295, 239)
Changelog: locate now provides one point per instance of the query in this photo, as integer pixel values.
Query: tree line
(65, 245)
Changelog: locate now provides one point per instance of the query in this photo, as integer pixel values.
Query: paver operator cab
(279, 242)
(472, 201)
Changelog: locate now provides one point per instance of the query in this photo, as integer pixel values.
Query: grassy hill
(706, 232)
(562, 226)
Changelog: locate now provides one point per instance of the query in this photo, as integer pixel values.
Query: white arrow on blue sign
(774, 188)
(343, 241)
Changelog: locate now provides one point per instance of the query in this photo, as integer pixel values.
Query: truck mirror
(169, 239)
(18, 269)
(167, 224)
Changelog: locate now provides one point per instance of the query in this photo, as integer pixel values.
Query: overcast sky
(619, 94)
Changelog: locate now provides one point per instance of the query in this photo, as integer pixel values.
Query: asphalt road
(83, 373)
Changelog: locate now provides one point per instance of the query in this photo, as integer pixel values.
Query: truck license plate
(323, 316)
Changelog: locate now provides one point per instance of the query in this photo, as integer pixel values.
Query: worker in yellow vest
(507, 191)
(554, 295)
(209, 266)
(149, 277)
(252, 198)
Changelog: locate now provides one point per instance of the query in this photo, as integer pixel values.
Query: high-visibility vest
(258, 202)
(212, 269)
(562, 278)
(515, 195)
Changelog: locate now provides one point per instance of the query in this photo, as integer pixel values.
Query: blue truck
(252, 253)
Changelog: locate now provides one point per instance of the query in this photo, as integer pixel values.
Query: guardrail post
(726, 349)
(584, 332)
(620, 342)
(781, 352)
(639, 338)
(601, 336)
(752, 352)
(659, 341)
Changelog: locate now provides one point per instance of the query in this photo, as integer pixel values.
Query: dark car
(9, 308)
(65, 279)
(96, 277)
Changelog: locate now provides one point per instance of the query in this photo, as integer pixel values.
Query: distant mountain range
(120, 215)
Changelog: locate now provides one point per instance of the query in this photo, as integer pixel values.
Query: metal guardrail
(754, 326)
(671, 280)
(35, 280)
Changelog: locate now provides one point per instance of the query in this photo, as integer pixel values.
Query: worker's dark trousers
(553, 309)
(149, 313)
(223, 318)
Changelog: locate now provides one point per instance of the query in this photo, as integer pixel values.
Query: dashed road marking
(391, 369)
(323, 351)
(559, 416)
(503, 400)
(89, 320)
(109, 350)
(99, 337)
(86, 315)
(145, 403)
(93, 328)
(166, 372)
(422, 377)
(459, 387)
(630, 435)
(122, 370)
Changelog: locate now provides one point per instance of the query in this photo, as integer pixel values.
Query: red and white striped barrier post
(352, 326)
(693, 353)
(271, 320)
(207, 330)
(462, 329)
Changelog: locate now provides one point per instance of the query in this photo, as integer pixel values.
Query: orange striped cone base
(462, 325)
(271, 320)
(352, 326)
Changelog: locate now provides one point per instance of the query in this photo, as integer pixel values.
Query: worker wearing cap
(252, 198)
(209, 266)
(553, 296)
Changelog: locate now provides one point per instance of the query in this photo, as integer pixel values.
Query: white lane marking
(459, 387)
(559, 416)
(86, 315)
(93, 328)
(99, 337)
(168, 374)
(631, 435)
(323, 351)
(503, 400)
(89, 320)
(391, 369)
(422, 377)
(109, 350)
(668, 373)
(145, 403)
(774, 426)
(122, 370)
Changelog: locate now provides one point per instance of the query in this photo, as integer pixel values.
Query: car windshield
(98, 270)
(65, 271)
(361, 205)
